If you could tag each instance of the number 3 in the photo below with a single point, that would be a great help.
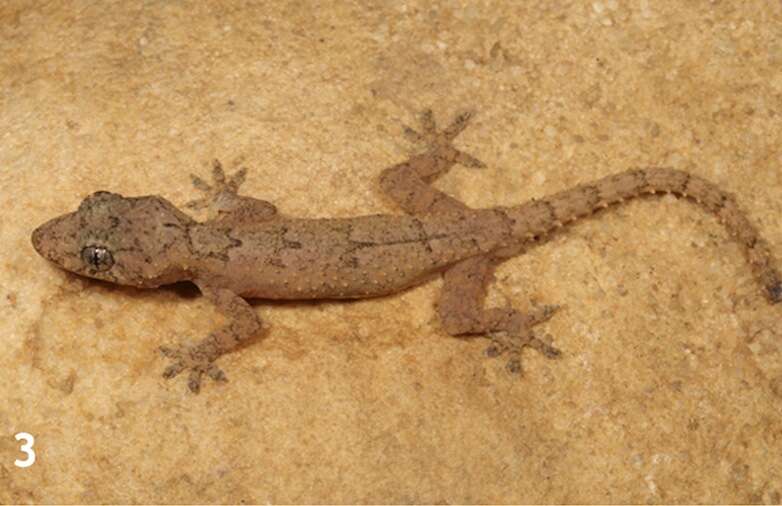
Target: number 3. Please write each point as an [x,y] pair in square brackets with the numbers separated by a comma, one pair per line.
[27,448]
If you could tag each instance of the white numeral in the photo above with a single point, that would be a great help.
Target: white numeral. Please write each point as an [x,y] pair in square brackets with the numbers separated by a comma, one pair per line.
[27,448]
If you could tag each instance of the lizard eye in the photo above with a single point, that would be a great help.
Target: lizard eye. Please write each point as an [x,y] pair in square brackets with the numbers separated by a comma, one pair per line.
[97,257]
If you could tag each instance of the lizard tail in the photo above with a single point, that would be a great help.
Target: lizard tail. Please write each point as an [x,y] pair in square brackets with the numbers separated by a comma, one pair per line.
[538,217]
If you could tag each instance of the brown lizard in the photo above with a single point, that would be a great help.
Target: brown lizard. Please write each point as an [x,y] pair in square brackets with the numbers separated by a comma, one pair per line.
[246,249]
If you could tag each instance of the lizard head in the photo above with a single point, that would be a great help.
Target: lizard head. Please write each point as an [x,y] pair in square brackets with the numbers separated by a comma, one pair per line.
[130,241]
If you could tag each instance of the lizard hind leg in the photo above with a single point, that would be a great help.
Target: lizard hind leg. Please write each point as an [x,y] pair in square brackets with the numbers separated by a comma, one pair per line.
[462,312]
[408,184]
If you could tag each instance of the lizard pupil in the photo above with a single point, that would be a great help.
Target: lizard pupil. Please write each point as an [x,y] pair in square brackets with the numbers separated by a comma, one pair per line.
[97,257]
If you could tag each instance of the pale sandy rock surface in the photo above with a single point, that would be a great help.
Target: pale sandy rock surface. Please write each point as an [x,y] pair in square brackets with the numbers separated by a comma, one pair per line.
[670,386]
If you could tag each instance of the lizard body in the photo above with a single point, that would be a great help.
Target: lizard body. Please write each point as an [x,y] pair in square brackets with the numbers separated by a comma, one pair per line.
[248,250]
[368,255]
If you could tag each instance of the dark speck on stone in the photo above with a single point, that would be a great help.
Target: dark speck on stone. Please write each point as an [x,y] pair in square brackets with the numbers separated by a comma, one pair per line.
[775,292]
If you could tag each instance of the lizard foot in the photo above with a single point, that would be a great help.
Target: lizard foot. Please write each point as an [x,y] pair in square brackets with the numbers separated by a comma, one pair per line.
[516,333]
[196,361]
[440,142]
[222,187]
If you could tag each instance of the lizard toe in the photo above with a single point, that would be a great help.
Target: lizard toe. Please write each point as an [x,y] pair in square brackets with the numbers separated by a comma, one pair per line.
[504,342]
[236,180]
[200,184]
[493,351]
[169,352]
[218,174]
[428,123]
[542,314]
[468,160]
[216,373]
[412,135]
[458,125]
[194,381]
[514,366]
[543,346]
[173,370]
[198,204]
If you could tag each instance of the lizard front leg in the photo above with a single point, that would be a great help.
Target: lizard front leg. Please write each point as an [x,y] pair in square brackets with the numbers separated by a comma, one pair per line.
[199,358]
[408,184]
[462,312]
[223,201]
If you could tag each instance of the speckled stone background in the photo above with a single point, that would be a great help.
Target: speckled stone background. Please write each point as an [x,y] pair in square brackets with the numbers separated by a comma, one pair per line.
[670,387]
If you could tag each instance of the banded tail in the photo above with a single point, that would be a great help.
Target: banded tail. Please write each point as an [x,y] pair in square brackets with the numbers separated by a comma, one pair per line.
[539,217]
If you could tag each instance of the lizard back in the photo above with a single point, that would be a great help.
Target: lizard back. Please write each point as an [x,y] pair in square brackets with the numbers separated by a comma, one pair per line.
[341,257]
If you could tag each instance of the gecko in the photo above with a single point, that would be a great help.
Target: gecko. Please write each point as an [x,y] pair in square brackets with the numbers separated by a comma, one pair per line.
[246,249]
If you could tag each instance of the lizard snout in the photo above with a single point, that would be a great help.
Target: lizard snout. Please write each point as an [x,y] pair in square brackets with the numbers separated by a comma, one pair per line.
[39,239]
[54,239]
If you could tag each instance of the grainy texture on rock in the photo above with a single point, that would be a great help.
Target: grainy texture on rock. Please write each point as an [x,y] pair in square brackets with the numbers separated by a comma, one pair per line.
[669,377]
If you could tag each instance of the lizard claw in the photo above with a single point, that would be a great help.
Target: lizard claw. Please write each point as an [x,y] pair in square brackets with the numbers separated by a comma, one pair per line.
[192,359]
